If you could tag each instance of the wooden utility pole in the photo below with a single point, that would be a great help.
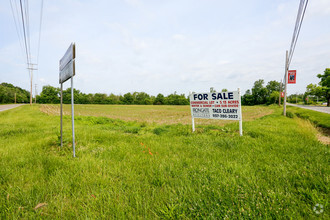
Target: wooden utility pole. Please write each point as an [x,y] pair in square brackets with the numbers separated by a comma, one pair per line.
[15,97]
[35,93]
[31,69]
[296,97]
[286,83]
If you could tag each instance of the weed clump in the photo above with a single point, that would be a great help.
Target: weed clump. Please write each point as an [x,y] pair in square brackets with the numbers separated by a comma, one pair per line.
[159,130]
[289,114]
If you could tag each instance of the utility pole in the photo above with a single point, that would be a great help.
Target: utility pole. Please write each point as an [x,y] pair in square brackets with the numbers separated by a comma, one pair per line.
[31,69]
[286,83]
[296,97]
[280,95]
[15,97]
[35,93]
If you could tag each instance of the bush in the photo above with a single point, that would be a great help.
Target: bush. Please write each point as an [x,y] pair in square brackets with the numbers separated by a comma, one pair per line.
[289,114]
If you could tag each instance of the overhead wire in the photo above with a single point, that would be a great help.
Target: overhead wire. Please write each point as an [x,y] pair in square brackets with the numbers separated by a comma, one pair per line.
[294,46]
[18,30]
[296,25]
[40,24]
[27,25]
[21,17]
[299,20]
[23,23]
[41,12]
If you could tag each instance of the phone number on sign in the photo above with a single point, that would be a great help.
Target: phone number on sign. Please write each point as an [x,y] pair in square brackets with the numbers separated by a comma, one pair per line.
[224,116]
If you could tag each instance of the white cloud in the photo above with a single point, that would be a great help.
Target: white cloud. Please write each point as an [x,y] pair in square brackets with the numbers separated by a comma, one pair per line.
[179,37]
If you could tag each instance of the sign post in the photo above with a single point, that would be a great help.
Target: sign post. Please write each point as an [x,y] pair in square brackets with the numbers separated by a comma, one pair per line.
[61,115]
[240,113]
[217,105]
[67,71]
[72,112]
[192,116]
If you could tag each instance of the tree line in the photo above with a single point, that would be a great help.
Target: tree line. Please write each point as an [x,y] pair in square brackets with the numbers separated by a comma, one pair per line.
[317,92]
[9,91]
[269,94]
[51,94]
[259,94]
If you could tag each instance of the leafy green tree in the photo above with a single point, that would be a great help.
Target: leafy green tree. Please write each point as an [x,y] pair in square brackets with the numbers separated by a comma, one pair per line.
[159,100]
[49,94]
[273,97]
[142,98]
[128,99]
[113,99]
[8,91]
[259,92]
[100,98]
[247,98]
[325,83]
[314,90]
[77,96]
[273,86]
[175,99]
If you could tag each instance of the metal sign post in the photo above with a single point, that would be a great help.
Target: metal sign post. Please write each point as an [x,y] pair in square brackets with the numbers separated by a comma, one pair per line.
[72,112]
[240,113]
[61,115]
[67,71]
[192,116]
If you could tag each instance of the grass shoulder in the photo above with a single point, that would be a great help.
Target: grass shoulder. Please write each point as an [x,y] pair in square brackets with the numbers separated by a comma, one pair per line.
[318,118]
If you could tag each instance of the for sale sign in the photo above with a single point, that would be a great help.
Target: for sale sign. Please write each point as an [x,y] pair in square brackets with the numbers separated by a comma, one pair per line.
[292,76]
[222,105]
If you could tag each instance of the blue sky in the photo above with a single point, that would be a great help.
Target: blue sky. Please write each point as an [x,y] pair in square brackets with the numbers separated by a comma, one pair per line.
[165,46]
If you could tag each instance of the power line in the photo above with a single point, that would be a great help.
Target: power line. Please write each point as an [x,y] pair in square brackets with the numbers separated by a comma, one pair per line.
[299,20]
[27,19]
[288,58]
[24,36]
[41,10]
[26,48]
[16,21]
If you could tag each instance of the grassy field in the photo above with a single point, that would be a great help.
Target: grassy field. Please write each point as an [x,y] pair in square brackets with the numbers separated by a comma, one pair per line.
[151,113]
[136,169]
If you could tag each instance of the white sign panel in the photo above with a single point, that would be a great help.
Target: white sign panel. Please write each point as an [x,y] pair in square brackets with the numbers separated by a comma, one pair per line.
[67,72]
[69,55]
[221,105]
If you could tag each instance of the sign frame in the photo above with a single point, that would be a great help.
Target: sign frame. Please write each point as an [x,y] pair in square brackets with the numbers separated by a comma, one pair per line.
[67,69]
[67,64]
[215,106]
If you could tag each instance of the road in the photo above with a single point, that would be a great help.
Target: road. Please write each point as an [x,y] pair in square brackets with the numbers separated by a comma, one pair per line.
[323,109]
[6,107]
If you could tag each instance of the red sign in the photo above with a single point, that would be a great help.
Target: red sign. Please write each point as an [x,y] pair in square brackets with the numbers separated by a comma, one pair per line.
[292,76]
[282,94]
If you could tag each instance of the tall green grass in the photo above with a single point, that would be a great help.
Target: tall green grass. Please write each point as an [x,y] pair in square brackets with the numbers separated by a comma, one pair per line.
[133,170]
[318,118]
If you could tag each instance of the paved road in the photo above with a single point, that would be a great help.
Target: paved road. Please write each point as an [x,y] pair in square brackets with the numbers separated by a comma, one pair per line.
[6,107]
[323,109]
